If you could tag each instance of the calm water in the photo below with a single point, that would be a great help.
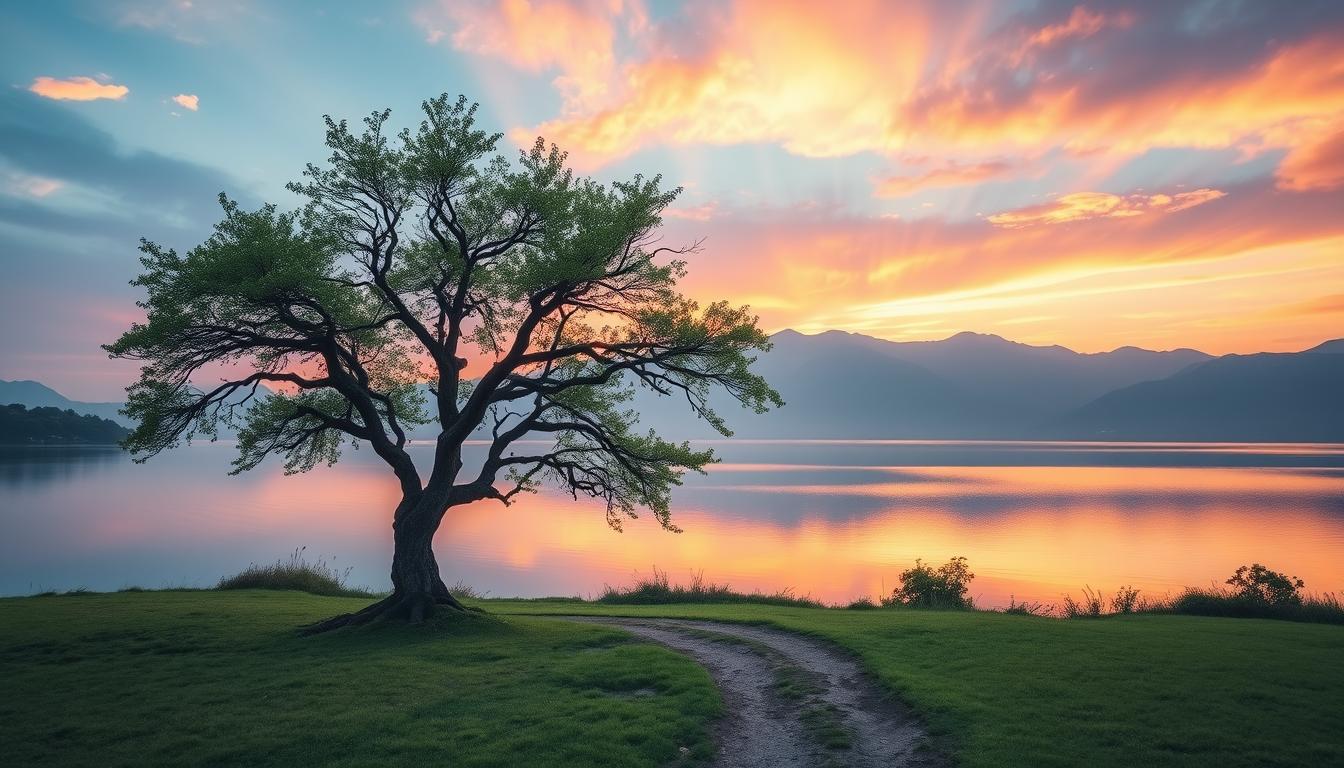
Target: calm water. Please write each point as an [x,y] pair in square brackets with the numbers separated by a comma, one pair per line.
[833,519]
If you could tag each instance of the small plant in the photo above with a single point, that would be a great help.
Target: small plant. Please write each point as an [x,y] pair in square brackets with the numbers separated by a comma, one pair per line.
[1257,584]
[1126,600]
[465,590]
[1027,609]
[1089,607]
[862,604]
[927,587]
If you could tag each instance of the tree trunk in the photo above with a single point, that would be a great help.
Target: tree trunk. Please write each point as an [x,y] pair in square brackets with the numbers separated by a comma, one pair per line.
[417,589]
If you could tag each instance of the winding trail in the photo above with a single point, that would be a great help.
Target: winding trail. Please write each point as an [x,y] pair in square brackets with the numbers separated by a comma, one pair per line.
[791,701]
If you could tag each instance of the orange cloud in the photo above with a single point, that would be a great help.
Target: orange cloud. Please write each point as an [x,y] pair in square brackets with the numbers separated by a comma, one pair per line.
[188,101]
[1314,165]
[1091,205]
[536,35]
[863,76]
[1081,23]
[1255,248]
[77,89]
[949,175]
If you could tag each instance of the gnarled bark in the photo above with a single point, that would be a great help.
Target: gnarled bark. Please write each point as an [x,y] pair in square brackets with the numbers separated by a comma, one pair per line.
[417,589]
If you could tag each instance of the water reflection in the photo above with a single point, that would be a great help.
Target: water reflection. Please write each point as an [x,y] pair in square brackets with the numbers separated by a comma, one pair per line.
[835,520]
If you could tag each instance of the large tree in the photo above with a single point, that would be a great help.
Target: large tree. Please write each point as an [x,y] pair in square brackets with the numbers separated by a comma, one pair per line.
[411,257]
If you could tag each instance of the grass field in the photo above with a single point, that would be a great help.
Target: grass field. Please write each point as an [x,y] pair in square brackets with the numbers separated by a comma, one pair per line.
[1141,690]
[220,678]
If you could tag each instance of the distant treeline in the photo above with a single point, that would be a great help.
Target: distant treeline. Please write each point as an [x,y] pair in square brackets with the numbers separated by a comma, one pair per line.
[53,426]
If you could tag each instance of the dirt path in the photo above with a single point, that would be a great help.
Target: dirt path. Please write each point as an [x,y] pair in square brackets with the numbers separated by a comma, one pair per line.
[791,700]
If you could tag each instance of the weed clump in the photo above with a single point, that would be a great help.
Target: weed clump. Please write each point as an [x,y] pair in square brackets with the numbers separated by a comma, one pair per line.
[295,573]
[659,590]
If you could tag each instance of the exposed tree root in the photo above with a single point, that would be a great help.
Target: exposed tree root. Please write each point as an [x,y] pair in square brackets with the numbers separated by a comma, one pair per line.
[412,608]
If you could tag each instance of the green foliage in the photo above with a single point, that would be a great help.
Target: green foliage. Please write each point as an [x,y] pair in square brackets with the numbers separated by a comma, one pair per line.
[20,425]
[413,253]
[924,586]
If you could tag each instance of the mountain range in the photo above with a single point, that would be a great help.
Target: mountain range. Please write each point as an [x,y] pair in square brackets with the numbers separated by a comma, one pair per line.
[976,386]
[842,385]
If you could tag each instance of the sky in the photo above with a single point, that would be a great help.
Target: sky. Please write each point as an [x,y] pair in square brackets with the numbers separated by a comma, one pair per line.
[1098,174]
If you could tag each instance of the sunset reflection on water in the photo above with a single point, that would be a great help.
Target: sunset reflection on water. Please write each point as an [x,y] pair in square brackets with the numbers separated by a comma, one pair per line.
[832,520]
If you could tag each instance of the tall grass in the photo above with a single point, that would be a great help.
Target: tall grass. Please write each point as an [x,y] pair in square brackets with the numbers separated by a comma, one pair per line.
[659,590]
[1324,608]
[296,573]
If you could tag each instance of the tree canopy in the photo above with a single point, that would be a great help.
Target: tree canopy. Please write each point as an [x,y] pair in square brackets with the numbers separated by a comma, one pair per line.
[413,255]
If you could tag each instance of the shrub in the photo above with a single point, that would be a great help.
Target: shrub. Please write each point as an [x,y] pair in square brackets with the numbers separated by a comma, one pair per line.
[464,590]
[295,573]
[1027,609]
[1257,584]
[862,604]
[927,587]
[1089,607]
[659,590]
[1126,600]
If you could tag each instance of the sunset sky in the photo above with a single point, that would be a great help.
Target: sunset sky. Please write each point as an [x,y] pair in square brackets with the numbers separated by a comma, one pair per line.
[1091,174]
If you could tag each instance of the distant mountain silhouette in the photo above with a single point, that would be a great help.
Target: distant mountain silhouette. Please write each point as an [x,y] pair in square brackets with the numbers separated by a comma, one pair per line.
[1264,397]
[1042,380]
[34,394]
[1333,347]
[973,386]
[847,385]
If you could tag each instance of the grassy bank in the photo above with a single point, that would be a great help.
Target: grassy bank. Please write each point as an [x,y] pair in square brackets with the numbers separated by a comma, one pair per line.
[1151,690]
[219,677]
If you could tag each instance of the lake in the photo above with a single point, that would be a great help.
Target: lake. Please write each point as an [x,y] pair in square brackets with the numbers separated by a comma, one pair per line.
[831,519]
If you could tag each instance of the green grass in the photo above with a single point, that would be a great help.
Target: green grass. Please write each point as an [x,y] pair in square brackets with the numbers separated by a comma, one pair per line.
[221,678]
[1151,690]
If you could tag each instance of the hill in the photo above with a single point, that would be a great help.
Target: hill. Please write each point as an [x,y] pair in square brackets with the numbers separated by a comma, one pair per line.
[53,426]
[35,394]
[968,386]
[1262,397]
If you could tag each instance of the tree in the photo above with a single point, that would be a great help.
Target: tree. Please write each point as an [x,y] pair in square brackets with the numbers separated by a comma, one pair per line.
[410,256]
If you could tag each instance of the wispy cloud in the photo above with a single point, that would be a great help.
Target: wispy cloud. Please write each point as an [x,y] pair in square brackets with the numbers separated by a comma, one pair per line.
[77,89]
[187,101]
[950,174]
[1079,206]
[31,186]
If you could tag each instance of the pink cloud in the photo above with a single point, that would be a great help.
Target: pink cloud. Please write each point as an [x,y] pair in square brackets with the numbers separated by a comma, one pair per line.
[1314,164]
[1079,206]
[951,174]
[77,89]
[188,101]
